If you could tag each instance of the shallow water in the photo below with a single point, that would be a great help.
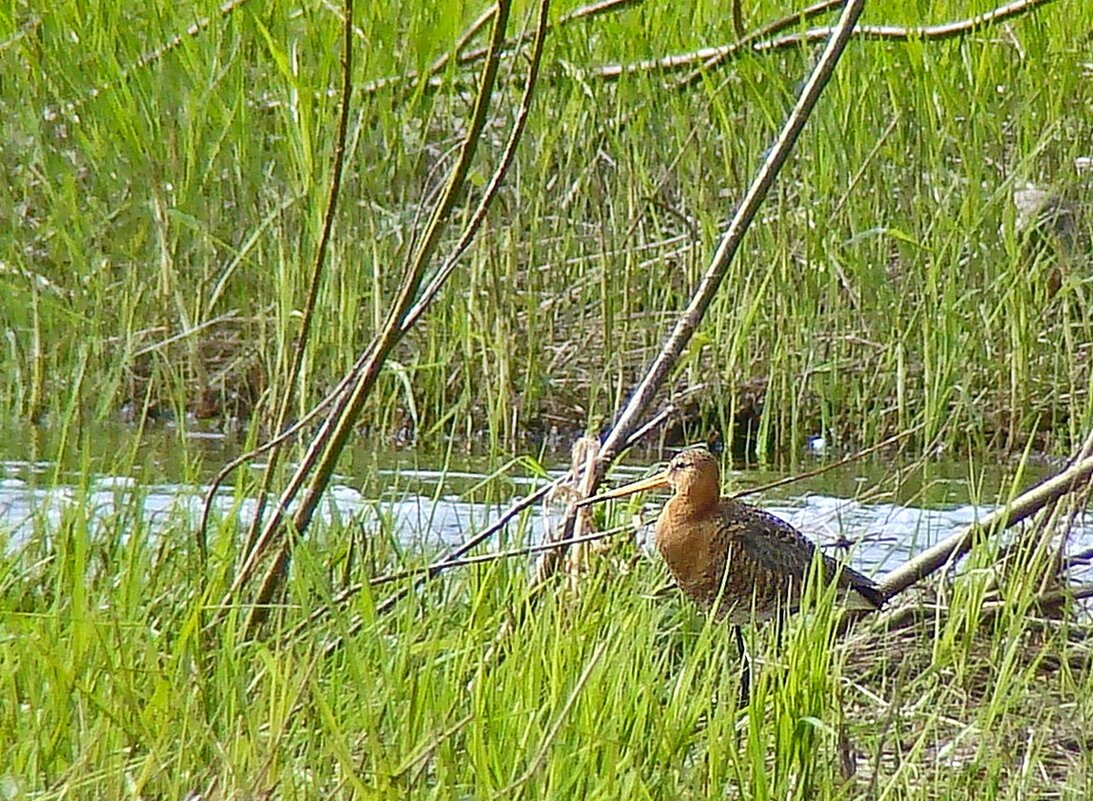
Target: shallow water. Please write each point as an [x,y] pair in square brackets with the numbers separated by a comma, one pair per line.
[883,520]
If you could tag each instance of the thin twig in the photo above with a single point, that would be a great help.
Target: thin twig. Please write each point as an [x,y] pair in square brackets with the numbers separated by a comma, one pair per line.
[744,42]
[226,317]
[314,284]
[899,33]
[425,574]
[464,39]
[738,20]
[291,431]
[467,58]
[429,294]
[722,53]
[854,457]
[322,454]
[584,12]
[466,561]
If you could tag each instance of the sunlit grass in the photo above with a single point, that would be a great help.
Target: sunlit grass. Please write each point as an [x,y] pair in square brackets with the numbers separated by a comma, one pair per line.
[109,688]
[168,214]
[159,222]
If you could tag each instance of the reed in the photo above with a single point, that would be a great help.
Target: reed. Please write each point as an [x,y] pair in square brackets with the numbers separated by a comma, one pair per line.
[166,211]
[110,690]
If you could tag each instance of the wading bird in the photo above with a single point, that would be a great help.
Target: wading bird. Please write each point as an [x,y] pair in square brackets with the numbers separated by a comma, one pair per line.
[741,561]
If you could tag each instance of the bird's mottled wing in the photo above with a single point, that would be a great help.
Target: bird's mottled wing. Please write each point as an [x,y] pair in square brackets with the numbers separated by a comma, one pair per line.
[772,542]
[773,548]
[766,559]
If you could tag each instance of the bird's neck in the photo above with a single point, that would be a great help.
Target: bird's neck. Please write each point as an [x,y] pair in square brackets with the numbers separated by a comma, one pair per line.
[695,501]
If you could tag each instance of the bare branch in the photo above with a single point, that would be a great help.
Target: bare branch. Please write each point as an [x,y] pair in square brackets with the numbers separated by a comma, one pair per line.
[730,242]
[469,57]
[709,57]
[1073,479]
[324,450]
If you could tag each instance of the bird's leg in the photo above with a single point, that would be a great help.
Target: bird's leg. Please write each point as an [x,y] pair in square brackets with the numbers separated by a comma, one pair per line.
[779,624]
[745,666]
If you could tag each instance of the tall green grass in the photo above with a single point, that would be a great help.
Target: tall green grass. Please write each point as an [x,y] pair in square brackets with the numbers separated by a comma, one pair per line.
[160,221]
[109,688]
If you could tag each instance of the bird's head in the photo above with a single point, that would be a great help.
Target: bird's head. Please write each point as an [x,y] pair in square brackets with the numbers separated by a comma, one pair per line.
[693,474]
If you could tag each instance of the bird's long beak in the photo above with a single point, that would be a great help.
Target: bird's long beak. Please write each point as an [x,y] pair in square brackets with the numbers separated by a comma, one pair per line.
[653,482]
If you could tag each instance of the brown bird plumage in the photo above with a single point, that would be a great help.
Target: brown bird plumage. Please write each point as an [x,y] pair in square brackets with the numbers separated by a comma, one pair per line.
[750,563]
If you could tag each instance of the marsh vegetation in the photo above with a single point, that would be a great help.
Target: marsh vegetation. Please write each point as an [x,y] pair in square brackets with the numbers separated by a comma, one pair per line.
[920,268]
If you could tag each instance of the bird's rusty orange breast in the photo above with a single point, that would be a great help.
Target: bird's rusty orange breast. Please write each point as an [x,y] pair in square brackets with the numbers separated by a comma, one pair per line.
[687,536]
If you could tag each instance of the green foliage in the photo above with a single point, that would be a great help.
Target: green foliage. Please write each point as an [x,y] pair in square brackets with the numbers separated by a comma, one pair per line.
[110,687]
[166,212]
[114,683]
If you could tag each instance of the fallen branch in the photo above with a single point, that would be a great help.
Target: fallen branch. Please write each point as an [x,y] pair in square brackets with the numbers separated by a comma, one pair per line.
[707,58]
[1074,478]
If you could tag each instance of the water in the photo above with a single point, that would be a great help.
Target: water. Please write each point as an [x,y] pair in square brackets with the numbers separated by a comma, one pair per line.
[881,517]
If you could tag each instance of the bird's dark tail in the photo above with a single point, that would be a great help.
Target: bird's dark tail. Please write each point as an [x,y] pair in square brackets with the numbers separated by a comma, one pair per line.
[861,592]
[865,587]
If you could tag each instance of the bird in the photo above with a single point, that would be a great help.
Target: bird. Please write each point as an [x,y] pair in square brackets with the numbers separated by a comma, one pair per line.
[737,560]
